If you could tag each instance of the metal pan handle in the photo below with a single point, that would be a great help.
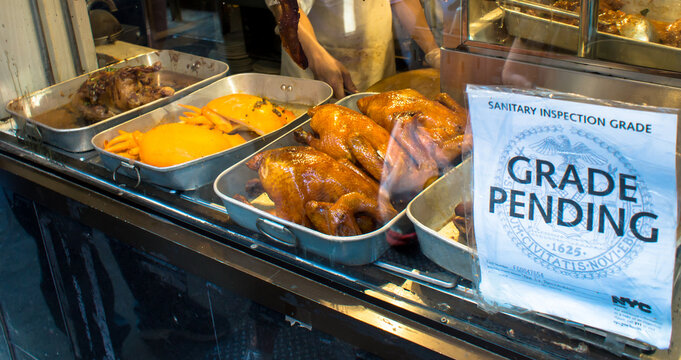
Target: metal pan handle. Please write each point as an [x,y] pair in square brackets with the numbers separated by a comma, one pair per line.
[131,167]
[32,132]
[270,228]
[286,87]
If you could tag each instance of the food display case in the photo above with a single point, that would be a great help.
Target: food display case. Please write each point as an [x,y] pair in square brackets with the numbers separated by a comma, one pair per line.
[134,261]
[533,44]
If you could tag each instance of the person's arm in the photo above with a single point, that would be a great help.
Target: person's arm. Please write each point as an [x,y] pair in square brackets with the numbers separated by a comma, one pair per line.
[411,16]
[324,66]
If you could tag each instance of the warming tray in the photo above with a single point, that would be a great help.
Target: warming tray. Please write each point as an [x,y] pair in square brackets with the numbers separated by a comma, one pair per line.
[192,174]
[432,209]
[347,250]
[179,66]
[607,47]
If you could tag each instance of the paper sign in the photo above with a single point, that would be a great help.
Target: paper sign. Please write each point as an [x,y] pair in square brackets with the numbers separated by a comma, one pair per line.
[575,209]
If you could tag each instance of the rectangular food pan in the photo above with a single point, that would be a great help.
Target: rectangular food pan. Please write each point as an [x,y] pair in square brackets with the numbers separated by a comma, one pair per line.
[184,72]
[430,210]
[300,94]
[347,250]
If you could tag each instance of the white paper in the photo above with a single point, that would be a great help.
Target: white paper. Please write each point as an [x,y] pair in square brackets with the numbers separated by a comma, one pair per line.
[600,271]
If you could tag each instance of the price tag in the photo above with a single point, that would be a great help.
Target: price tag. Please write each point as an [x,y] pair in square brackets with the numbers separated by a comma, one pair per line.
[575,209]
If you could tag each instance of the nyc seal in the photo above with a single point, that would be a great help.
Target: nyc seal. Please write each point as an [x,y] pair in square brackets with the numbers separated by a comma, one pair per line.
[572,202]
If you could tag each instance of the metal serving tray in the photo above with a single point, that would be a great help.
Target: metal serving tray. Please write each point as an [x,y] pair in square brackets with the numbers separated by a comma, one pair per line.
[347,250]
[78,139]
[431,210]
[608,46]
[192,174]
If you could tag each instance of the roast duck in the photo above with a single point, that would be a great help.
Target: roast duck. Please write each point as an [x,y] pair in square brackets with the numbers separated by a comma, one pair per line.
[113,91]
[313,189]
[348,179]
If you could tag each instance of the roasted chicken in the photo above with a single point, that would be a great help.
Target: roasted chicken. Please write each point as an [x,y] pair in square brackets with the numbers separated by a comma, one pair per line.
[345,134]
[112,91]
[423,127]
[313,189]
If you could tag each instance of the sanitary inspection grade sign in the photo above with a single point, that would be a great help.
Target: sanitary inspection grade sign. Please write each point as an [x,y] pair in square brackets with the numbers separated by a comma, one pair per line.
[575,208]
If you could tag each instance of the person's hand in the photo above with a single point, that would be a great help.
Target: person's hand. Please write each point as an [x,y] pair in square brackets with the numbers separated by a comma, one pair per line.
[326,68]
[433,58]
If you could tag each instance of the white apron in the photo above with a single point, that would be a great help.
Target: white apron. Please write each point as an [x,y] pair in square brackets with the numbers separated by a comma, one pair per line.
[358,33]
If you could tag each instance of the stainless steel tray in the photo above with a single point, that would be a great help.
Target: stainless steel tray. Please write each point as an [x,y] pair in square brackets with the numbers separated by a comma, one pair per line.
[432,209]
[195,173]
[608,46]
[78,139]
[348,250]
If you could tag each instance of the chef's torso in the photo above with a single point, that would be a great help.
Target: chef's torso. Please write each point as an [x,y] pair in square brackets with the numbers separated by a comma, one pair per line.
[358,33]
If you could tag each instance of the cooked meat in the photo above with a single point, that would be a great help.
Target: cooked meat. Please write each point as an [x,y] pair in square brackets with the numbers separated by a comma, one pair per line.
[612,4]
[313,189]
[423,127]
[672,34]
[573,5]
[346,134]
[288,30]
[112,91]
[613,21]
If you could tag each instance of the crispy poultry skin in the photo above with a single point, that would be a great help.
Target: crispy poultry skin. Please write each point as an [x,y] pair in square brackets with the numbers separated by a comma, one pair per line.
[346,134]
[313,189]
[423,127]
[112,91]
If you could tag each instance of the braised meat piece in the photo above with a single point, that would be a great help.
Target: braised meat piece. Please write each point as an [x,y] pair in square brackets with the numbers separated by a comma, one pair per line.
[112,91]
[313,189]
[423,127]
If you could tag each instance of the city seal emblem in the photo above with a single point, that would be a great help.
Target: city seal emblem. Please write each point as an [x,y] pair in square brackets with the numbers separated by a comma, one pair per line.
[572,202]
